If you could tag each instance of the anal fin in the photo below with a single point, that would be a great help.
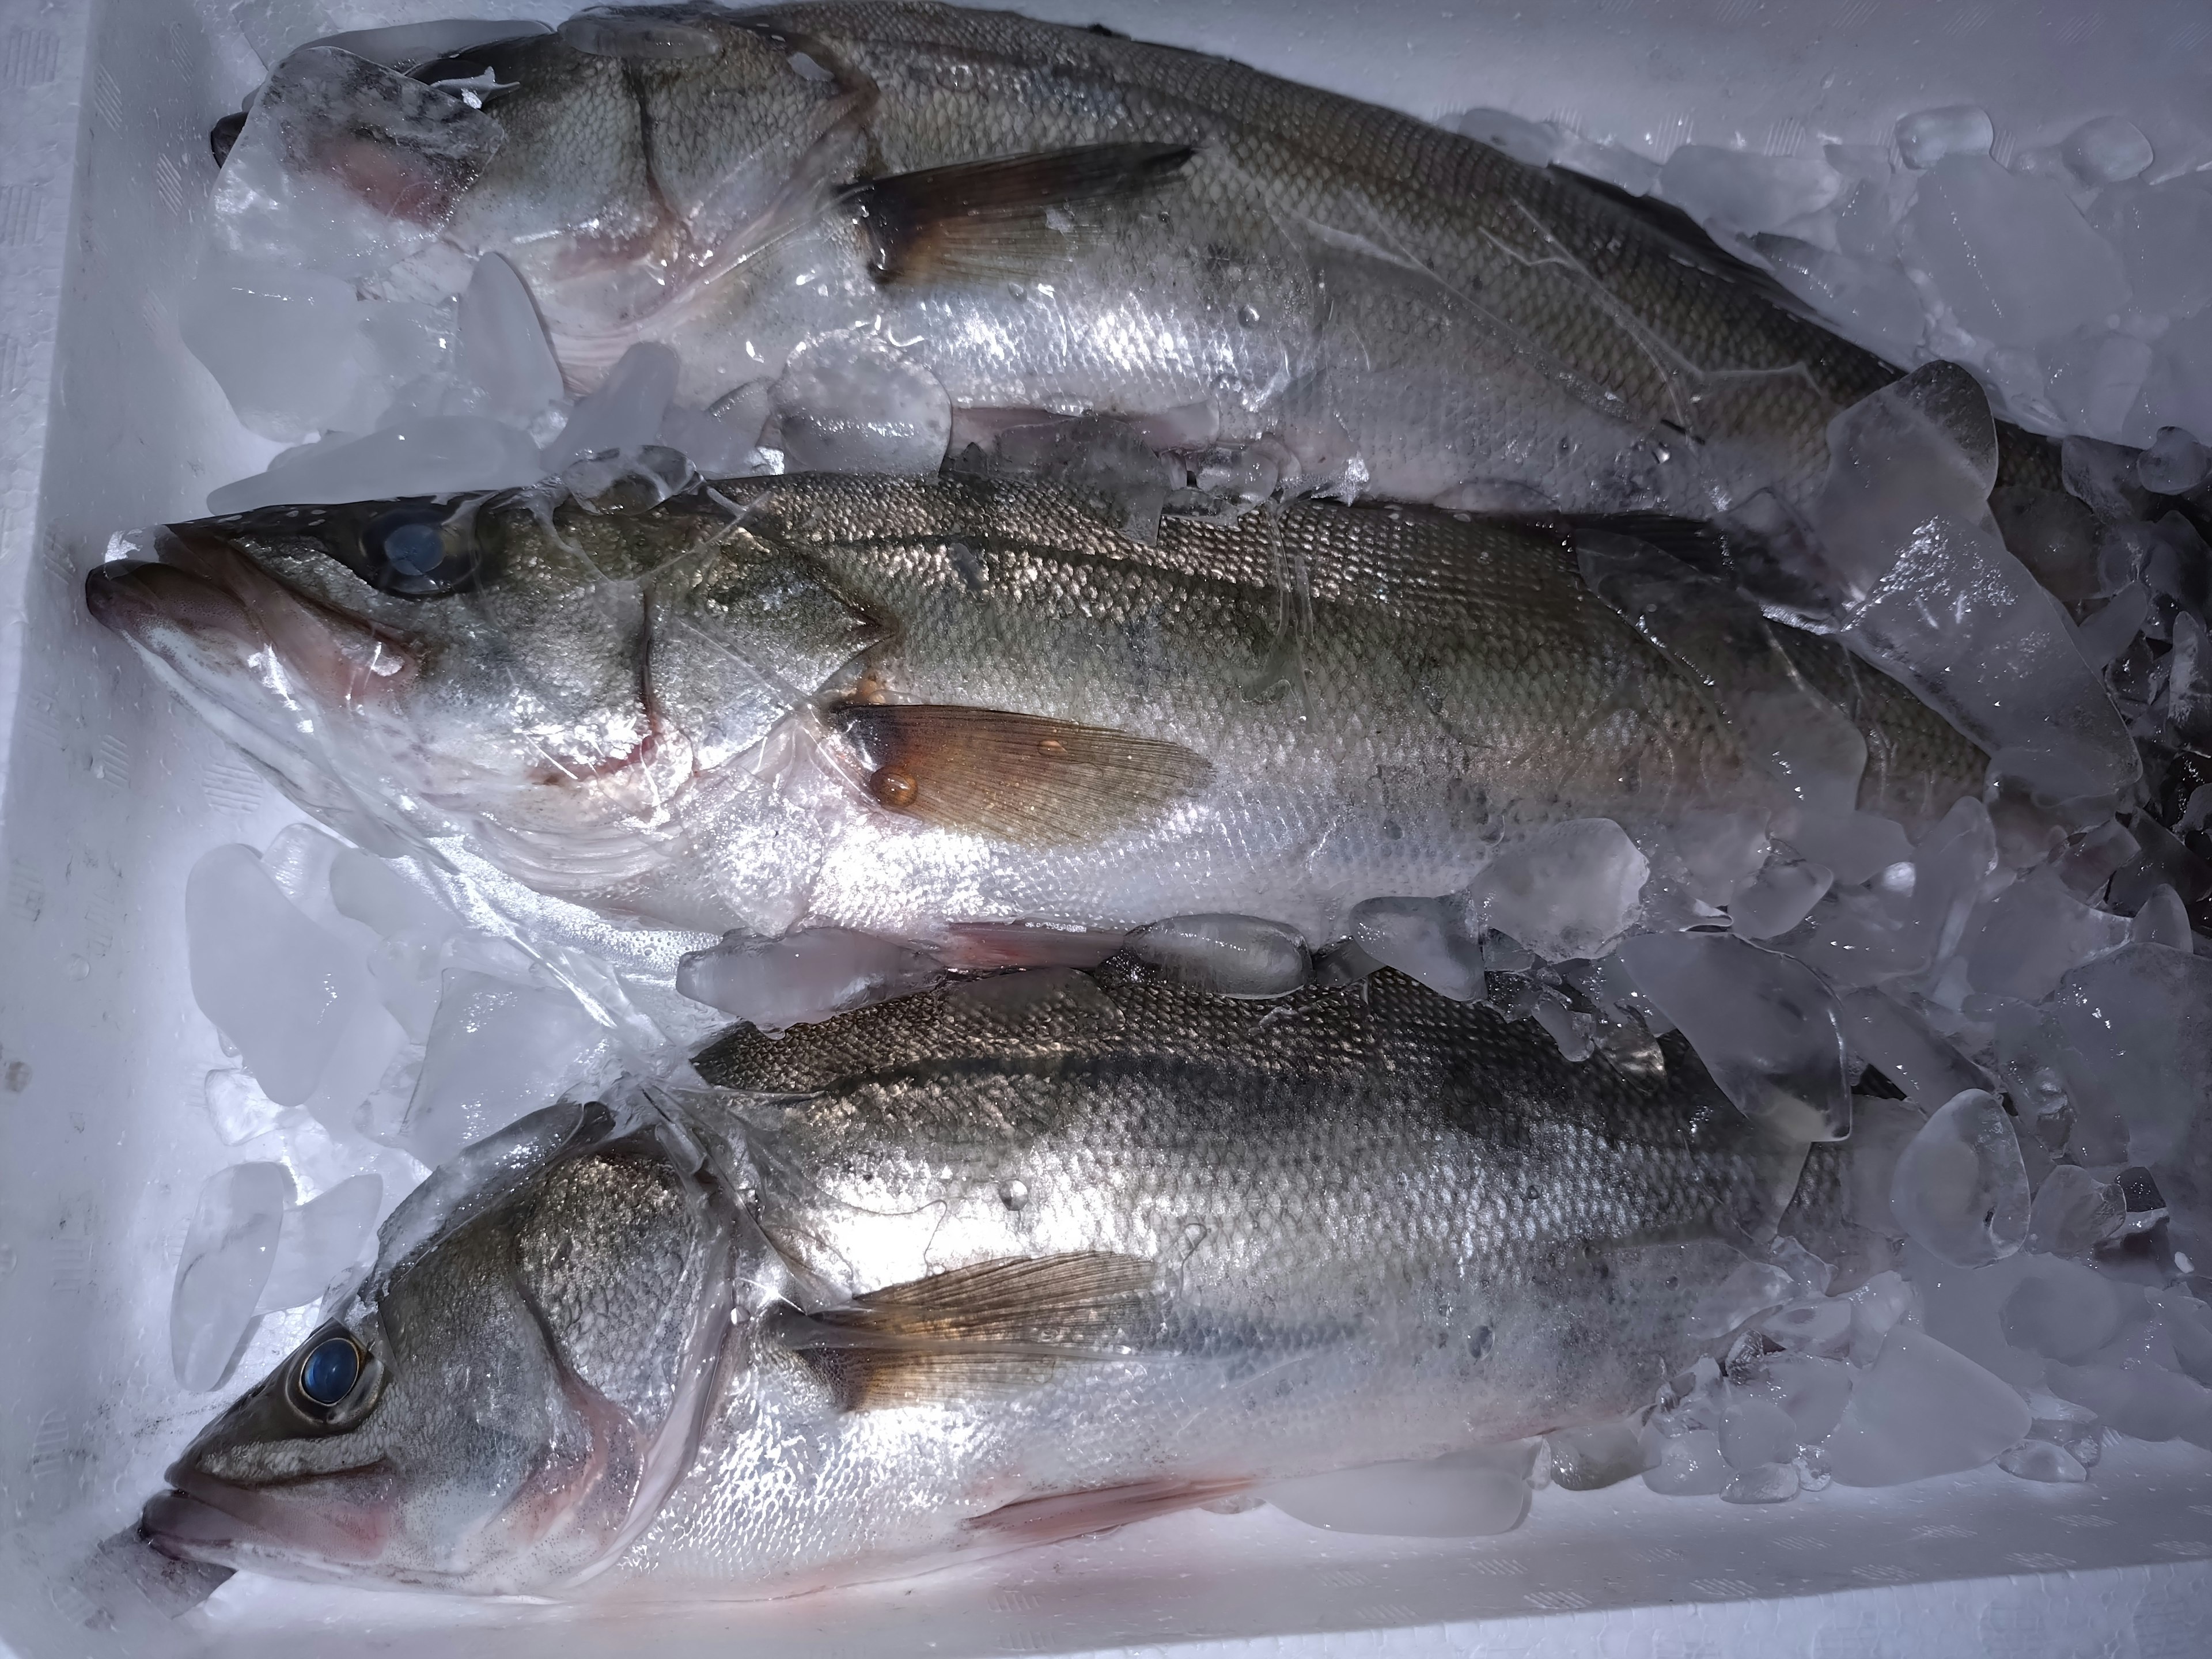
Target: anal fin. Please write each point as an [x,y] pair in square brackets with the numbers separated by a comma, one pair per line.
[995,218]
[1021,778]
[991,1328]
[1073,1513]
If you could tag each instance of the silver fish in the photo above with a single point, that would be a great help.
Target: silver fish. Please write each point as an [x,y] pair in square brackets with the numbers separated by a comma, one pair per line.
[904,706]
[1032,220]
[987,1266]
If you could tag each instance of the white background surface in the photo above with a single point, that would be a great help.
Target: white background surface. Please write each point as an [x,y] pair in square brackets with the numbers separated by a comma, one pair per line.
[110,794]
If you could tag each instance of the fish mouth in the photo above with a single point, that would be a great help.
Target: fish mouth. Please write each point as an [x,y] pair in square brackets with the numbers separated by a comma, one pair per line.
[332,1522]
[263,665]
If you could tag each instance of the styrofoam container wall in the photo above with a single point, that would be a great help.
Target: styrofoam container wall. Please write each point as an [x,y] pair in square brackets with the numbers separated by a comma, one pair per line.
[111,792]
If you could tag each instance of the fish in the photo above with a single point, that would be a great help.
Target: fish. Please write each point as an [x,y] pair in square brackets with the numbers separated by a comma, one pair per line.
[997,222]
[908,706]
[987,1267]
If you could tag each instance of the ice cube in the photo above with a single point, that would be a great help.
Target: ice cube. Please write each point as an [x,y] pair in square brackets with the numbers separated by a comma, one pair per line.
[1871,301]
[718,449]
[2073,1213]
[237,1107]
[1927,136]
[2061,1311]
[1734,190]
[1924,445]
[1923,1409]
[229,1250]
[1569,891]
[625,412]
[2141,1020]
[497,1051]
[1690,1466]
[2106,150]
[1754,1431]
[803,976]
[346,167]
[1749,1291]
[2094,377]
[1855,846]
[320,1240]
[2173,465]
[1960,1189]
[501,346]
[1767,1027]
[1598,1455]
[1901,1045]
[2163,919]
[2039,1460]
[289,347]
[2026,939]
[1810,1391]
[1817,1325]
[2164,235]
[2136,1398]
[1461,1495]
[280,989]
[1425,939]
[1876,1307]
[1769,1483]
[857,404]
[1112,462]
[2011,256]
[1783,896]
[2178,390]
[1230,956]
[438,455]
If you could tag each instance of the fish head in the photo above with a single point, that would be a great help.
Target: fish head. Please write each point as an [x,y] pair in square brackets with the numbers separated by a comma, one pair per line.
[501,1413]
[561,667]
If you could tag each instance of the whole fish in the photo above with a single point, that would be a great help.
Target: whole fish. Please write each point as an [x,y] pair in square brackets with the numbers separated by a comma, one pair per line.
[986,1267]
[902,705]
[807,201]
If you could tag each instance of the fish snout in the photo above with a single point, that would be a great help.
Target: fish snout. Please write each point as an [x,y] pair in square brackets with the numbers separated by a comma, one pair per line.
[336,1521]
[135,597]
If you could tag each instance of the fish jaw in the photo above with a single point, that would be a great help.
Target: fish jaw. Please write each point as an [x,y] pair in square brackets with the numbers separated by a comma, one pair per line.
[333,1527]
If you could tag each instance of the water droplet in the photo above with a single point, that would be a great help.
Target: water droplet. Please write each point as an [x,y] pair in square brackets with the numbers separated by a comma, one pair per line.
[76,967]
[1248,315]
[1013,1192]
[1480,1344]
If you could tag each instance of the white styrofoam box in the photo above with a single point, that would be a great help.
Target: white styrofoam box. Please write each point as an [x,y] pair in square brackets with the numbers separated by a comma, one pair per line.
[111,792]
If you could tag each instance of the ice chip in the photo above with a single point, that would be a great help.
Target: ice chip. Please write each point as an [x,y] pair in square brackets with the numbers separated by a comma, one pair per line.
[345,166]
[1754,1431]
[1425,939]
[230,1248]
[2105,477]
[1461,1495]
[1960,1189]
[1230,956]
[2136,1398]
[1924,444]
[1853,847]
[2141,1020]
[2032,933]
[1767,1027]
[1923,1409]
[1690,1466]
[279,988]
[1768,1483]
[2094,378]
[2173,465]
[1817,1325]
[1569,891]
[501,346]
[320,1240]
[2163,919]
[437,455]
[2105,150]
[857,404]
[497,1051]
[1598,1454]
[625,412]
[1900,1044]
[1811,1391]
[1527,142]
[1783,896]
[1751,1290]
[2178,390]
[2073,1213]
[2039,1460]
[803,976]
[2061,1311]
[717,448]
[2164,235]
[237,1107]
[1872,302]
[1927,136]
[289,347]
[2012,255]
[1738,191]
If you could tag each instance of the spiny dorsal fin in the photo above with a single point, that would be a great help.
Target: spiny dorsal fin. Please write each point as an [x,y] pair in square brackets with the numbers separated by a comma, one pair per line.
[994,218]
[1020,778]
[988,1329]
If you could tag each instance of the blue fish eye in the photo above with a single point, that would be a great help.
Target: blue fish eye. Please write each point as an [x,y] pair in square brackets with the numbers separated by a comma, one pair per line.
[330,1371]
[418,549]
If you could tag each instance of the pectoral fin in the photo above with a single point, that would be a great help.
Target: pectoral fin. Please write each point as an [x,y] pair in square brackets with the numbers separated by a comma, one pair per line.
[996,218]
[989,1329]
[1020,778]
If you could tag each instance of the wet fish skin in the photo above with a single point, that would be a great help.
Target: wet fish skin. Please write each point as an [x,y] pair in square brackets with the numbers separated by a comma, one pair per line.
[1350,1227]
[899,705]
[1401,307]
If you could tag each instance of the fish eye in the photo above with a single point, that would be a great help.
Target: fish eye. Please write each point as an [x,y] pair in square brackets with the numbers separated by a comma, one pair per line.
[419,551]
[328,1373]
